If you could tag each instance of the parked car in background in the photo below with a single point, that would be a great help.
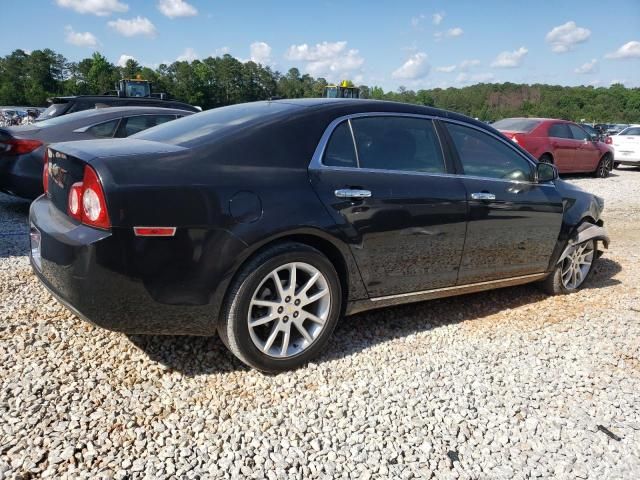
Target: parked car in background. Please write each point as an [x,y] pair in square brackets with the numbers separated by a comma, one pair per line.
[595,134]
[627,146]
[616,128]
[565,144]
[22,148]
[267,221]
[65,105]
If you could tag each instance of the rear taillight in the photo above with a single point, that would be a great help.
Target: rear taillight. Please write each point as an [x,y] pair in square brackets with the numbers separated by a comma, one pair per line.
[19,146]
[86,201]
[45,171]
[515,139]
[608,140]
[75,201]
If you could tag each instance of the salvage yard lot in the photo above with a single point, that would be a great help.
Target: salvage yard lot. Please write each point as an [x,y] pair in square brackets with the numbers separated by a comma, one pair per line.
[503,384]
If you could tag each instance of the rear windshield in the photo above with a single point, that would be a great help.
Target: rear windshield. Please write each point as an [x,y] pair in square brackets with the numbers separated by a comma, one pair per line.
[196,128]
[54,110]
[516,124]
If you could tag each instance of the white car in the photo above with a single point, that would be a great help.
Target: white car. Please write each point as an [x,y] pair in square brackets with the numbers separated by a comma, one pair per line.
[627,146]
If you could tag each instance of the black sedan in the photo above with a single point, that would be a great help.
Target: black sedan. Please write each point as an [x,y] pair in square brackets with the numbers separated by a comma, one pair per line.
[269,221]
[22,148]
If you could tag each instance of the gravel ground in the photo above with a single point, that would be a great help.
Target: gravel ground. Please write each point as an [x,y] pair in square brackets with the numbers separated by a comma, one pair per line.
[505,384]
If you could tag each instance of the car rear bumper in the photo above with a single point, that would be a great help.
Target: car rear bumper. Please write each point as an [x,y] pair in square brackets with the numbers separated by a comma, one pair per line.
[88,271]
[20,177]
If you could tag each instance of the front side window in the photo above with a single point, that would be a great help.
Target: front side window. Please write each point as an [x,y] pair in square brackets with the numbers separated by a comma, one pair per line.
[104,130]
[132,125]
[560,130]
[578,133]
[398,143]
[482,155]
[340,151]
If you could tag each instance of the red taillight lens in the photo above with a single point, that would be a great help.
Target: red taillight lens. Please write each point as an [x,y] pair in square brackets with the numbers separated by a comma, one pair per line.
[45,171]
[75,201]
[608,140]
[19,146]
[86,201]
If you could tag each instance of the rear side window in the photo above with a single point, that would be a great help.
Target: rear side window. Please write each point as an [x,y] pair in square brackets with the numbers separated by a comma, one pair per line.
[105,129]
[398,143]
[631,131]
[516,124]
[482,155]
[340,151]
[560,130]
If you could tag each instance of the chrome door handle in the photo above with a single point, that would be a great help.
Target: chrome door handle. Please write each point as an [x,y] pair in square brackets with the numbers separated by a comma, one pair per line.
[352,193]
[483,196]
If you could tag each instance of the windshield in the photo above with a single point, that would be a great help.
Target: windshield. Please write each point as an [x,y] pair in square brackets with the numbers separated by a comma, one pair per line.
[516,124]
[200,126]
[332,92]
[138,89]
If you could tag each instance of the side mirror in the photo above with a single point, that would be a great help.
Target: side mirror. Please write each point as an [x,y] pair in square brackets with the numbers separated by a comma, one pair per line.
[594,137]
[545,172]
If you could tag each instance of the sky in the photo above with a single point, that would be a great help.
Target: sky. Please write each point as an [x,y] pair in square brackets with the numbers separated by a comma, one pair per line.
[410,43]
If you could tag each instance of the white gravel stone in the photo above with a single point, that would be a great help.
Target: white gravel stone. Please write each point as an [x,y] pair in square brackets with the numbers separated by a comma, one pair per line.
[502,384]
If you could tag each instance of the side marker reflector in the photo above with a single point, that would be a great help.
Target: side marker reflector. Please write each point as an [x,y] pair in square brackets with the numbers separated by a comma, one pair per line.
[154,231]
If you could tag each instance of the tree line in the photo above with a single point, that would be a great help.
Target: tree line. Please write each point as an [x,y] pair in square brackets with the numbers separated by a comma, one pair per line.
[32,78]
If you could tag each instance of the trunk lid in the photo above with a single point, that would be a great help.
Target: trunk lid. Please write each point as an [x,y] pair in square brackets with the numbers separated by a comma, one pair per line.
[67,161]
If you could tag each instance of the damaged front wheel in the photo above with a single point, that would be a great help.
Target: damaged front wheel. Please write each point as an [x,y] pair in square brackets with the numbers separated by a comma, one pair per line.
[572,271]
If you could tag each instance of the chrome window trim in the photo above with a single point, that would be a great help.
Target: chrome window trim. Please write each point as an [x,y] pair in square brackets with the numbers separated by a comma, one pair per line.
[318,154]
[355,145]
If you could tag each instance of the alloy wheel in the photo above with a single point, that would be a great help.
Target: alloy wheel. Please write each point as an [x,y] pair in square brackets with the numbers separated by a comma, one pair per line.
[577,264]
[289,309]
[604,168]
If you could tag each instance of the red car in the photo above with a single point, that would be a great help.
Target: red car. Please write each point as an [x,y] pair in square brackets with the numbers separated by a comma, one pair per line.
[565,144]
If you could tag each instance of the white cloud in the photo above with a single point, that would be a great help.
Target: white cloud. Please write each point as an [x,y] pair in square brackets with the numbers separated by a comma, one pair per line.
[219,52]
[260,53]
[189,55]
[414,68]
[467,64]
[565,37]
[80,39]
[466,78]
[101,8]
[508,59]
[628,50]
[122,61]
[437,18]
[134,26]
[445,69]
[589,67]
[417,20]
[327,59]
[176,8]
[451,33]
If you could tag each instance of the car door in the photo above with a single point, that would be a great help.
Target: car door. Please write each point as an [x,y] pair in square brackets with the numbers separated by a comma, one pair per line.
[513,222]
[563,145]
[587,153]
[384,180]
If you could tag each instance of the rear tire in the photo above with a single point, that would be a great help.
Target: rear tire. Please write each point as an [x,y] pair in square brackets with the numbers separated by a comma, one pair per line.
[569,275]
[604,167]
[275,327]
[546,158]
